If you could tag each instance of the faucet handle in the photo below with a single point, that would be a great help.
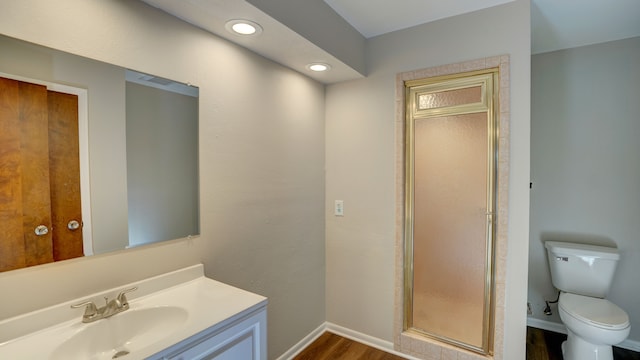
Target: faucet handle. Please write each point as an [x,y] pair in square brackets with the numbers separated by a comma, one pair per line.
[90,312]
[122,298]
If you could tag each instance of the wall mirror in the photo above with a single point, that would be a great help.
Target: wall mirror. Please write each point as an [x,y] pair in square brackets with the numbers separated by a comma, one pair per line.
[134,176]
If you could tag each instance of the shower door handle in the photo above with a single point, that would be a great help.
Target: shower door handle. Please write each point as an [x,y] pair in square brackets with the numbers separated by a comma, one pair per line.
[489,225]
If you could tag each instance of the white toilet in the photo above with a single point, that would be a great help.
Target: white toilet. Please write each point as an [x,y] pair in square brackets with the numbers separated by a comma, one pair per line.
[583,274]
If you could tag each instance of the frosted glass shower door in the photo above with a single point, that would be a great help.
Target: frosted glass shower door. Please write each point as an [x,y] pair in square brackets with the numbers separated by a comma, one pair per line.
[450,226]
[451,151]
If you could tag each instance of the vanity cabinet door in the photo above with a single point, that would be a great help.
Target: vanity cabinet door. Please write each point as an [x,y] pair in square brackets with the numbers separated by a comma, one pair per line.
[243,339]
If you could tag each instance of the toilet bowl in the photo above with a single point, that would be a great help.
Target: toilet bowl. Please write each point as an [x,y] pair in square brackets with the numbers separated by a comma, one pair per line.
[593,326]
[584,273]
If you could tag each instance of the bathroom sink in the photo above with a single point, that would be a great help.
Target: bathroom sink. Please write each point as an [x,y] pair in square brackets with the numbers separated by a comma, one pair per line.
[165,310]
[121,334]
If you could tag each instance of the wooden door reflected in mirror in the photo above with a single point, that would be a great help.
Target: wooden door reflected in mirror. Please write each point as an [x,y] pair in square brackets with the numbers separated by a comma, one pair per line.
[39,176]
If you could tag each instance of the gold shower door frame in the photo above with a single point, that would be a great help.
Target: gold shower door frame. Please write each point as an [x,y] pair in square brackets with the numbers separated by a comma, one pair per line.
[415,90]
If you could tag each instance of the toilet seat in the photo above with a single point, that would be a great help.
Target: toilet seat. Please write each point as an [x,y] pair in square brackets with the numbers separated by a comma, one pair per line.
[597,312]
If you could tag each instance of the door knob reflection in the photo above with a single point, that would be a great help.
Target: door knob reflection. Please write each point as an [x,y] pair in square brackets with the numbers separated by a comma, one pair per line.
[73,225]
[41,230]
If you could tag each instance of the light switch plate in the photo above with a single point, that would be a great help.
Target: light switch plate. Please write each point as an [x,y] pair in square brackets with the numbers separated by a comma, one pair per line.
[338,209]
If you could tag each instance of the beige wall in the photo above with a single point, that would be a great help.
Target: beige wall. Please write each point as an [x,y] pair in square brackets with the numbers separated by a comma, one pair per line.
[360,156]
[584,165]
[262,151]
[261,167]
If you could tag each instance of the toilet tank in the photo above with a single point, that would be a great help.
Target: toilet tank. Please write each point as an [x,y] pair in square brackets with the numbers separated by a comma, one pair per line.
[582,269]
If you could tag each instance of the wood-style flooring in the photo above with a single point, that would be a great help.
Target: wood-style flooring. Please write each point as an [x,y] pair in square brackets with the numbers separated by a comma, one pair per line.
[334,347]
[546,345]
[541,345]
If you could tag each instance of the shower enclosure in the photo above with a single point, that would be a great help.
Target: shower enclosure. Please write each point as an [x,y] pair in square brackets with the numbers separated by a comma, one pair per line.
[451,133]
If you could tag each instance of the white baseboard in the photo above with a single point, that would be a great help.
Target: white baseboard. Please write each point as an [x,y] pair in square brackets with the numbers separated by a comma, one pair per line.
[369,340]
[546,325]
[302,344]
[560,328]
[360,337]
[374,342]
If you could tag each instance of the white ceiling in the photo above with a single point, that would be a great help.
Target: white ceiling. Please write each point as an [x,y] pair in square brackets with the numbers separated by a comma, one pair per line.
[555,24]
[376,17]
[277,42]
[563,24]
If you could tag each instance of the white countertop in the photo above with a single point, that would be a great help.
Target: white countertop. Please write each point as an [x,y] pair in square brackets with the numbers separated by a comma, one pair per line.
[208,302]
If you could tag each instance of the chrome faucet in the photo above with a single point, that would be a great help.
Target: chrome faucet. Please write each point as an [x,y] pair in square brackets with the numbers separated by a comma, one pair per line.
[111,307]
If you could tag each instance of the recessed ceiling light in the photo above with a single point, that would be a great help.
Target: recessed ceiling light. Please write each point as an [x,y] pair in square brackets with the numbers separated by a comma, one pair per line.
[243,27]
[318,67]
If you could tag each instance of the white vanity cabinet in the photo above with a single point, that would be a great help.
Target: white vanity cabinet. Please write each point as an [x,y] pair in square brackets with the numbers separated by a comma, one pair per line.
[242,337]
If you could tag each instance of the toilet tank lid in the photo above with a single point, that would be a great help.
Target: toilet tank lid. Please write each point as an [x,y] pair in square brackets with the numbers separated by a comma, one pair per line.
[557,247]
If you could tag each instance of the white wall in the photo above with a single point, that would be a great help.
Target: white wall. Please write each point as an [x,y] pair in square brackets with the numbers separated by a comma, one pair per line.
[585,128]
[261,167]
[262,164]
[360,157]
